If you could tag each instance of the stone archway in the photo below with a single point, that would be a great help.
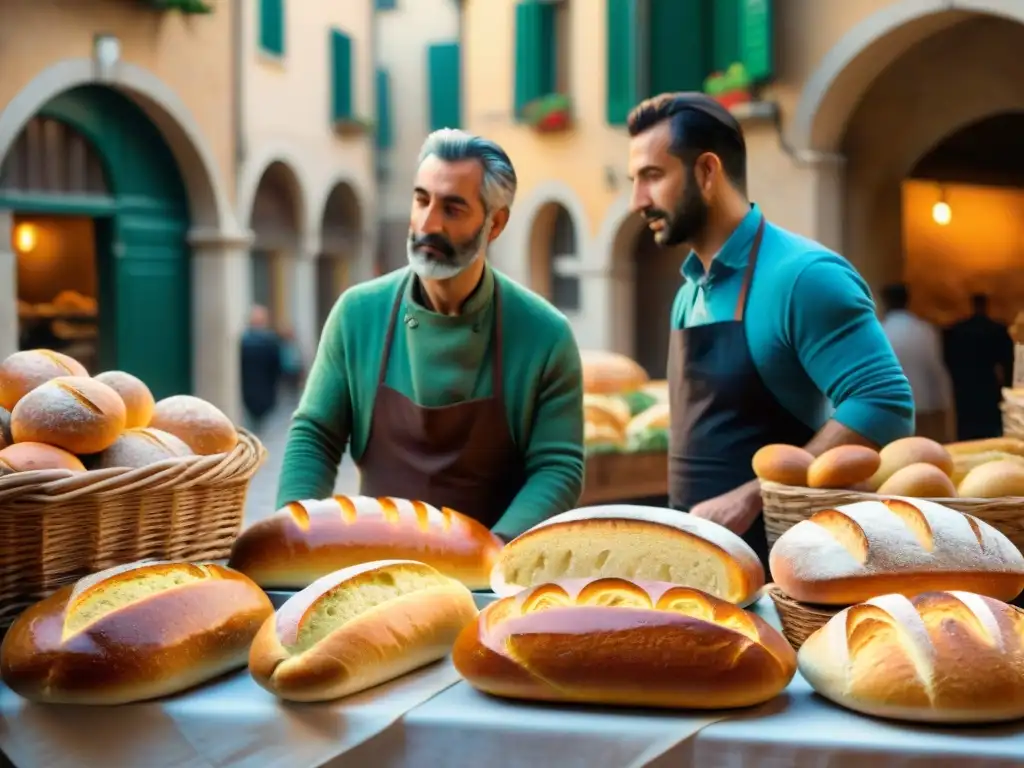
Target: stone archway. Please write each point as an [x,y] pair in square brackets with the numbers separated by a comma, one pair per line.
[554,254]
[340,245]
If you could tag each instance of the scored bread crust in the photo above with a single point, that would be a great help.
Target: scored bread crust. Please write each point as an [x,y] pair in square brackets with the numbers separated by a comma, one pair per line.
[620,642]
[632,542]
[309,539]
[846,555]
[158,644]
[414,625]
[21,372]
[939,657]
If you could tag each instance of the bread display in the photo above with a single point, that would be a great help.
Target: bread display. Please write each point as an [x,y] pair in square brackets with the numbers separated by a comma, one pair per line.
[845,466]
[357,628]
[28,457]
[901,454]
[923,481]
[309,539]
[606,373]
[78,414]
[135,632]
[631,542]
[22,372]
[849,554]
[138,400]
[938,657]
[199,424]
[786,464]
[994,479]
[618,642]
[650,430]
[141,447]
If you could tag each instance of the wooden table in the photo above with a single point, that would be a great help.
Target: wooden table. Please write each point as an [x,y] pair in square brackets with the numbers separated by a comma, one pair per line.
[625,477]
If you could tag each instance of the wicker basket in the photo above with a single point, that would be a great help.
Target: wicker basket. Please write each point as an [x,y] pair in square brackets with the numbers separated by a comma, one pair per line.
[1013,413]
[56,527]
[799,620]
[787,505]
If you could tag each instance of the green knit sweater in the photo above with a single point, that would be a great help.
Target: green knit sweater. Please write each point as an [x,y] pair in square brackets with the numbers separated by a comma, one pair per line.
[437,360]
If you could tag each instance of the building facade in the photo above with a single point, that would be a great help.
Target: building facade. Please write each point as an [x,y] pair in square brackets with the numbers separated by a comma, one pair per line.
[867,123]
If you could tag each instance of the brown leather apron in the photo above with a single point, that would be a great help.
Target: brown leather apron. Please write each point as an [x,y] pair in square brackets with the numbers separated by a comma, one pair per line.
[460,456]
[722,412]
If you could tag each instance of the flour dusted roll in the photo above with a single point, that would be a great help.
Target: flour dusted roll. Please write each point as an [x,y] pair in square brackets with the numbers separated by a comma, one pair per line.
[632,542]
[141,447]
[939,657]
[309,539]
[22,372]
[138,400]
[359,627]
[202,426]
[133,632]
[619,642]
[28,457]
[850,554]
[78,414]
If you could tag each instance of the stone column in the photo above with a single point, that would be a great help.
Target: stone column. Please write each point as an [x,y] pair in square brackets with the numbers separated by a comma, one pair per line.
[8,287]
[304,299]
[829,183]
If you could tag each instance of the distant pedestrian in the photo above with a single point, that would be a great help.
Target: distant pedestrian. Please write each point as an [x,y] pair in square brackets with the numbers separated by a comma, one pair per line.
[293,368]
[261,368]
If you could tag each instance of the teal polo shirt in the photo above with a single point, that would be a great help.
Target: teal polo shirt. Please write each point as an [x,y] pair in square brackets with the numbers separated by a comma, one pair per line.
[811,328]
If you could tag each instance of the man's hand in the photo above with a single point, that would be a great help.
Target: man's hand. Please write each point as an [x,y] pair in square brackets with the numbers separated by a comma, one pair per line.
[736,510]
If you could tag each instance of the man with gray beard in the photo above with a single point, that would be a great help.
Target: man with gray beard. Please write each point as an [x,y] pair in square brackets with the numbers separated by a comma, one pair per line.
[447,381]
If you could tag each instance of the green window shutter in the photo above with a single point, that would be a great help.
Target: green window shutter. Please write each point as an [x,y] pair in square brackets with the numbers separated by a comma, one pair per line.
[535,52]
[385,5]
[444,73]
[725,33]
[341,76]
[384,124]
[272,26]
[756,41]
[623,77]
[679,56]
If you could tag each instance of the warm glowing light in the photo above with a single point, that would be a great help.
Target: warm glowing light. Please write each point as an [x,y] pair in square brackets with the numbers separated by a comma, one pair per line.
[942,213]
[25,238]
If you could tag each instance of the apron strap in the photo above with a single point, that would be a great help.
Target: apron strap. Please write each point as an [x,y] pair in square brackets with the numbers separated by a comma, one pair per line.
[748,278]
[390,338]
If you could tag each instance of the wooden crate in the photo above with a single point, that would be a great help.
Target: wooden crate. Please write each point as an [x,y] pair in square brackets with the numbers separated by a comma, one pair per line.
[621,476]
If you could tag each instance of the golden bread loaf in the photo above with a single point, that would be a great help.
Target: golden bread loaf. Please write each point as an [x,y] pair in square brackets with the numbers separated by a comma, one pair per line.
[28,457]
[786,464]
[22,372]
[938,657]
[202,426]
[306,540]
[609,373]
[993,480]
[138,400]
[631,542]
[925,481]
[846,555]
[1012,445]
[357,628]
[5,429]
[964,463]
[844,466]
[78,414]
[141,447]
[900,454]
[134,632]
[618,642]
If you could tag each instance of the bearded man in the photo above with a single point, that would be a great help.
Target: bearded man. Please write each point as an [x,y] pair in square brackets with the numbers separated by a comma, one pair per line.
[447,381]
[774,337]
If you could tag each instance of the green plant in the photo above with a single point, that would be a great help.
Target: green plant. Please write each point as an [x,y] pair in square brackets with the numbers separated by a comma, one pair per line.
[549,113]
[182,6]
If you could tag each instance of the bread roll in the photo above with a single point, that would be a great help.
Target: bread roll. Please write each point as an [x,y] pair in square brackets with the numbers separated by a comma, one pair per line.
[602,438]
[5,429]
[309,539]
[200,425]
[843,467]
[141,447]
[618,642]
[632,542]
[609,373]
[910,450]
[27,457]
[134,632]
[357,628]
[921,481]
[138,400]
[993,480]
[649,431]
[847,555]
[606,411]
[1002,444]
[80,415]
[964,463]
[786,464]
[22,372]
[939,657]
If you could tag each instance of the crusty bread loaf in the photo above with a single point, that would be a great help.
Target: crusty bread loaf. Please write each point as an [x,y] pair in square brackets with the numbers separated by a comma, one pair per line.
[617,642]
[22,372]
[5,429]
[133,632]
[925,481]
[786,464]
[993,480]
[138,400]
[78,414]
[631,542]
[1012,445]
[939,657]
[844,466]
[609,373]
[27,457]
[359,627]
[846,555]
[309,539]
[202,426]
[900,454]
[141,447]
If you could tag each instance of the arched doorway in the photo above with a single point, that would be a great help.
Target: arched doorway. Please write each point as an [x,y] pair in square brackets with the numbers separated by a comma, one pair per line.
[275,223]
[100,220]
[340,243]
[555,257]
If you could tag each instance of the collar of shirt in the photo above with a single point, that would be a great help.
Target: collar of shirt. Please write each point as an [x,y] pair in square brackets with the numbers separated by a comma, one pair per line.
[733,255]
[417,306]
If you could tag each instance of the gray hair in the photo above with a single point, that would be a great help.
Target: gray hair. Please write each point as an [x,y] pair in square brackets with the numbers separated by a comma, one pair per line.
[452,145]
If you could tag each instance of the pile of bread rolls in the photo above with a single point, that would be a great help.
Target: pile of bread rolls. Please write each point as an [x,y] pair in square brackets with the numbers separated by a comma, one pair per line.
[53,415]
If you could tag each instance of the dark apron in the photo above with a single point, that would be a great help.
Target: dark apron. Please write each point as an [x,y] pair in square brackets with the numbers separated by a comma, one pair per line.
[722,412]
[460,456]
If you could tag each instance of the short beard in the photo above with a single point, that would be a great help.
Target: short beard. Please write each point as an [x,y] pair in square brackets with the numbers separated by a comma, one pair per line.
[688,221]
[463,256]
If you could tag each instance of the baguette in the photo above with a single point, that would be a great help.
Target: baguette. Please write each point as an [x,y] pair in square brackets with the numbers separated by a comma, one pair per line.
[308,539]
[357,628]
[631,542]
[617,642]
[939,657]
[987,445]
[850,554]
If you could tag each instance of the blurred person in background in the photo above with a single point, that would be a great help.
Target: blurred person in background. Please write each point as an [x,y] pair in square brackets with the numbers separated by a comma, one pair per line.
[293,368]
[261,368]
[918,346]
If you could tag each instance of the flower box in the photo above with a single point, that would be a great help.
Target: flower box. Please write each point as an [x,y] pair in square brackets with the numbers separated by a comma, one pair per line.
[549,114]
[353,126]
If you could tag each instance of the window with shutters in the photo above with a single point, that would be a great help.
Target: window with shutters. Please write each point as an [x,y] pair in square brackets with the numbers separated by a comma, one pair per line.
[542,54]
[385,127]
[444,85]
[272,26]
[341,77]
